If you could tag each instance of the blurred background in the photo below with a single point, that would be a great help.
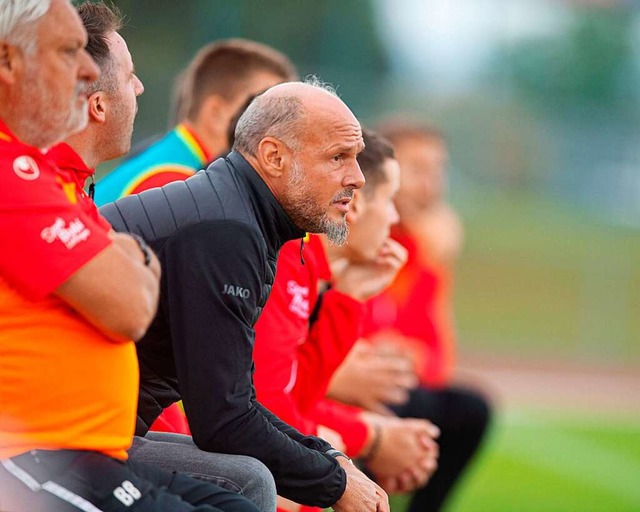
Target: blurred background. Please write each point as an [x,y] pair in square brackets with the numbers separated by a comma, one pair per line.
[540,102]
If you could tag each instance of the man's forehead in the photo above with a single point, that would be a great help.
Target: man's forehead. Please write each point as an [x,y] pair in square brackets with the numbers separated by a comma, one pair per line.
[343,134]
[62,25]
[119,49]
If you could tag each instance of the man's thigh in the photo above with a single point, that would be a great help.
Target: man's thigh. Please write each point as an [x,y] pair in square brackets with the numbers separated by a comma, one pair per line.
[238,473]
[193,491]
[72,481]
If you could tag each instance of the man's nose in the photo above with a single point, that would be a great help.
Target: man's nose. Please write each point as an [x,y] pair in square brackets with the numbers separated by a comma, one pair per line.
[394,216]
[354,177]
[139,86]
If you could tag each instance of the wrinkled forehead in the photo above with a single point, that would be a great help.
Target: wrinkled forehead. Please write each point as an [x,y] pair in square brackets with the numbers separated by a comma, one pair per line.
[335,125]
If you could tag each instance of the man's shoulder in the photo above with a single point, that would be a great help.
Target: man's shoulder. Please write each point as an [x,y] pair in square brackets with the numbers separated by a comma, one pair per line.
[24,168]
[204,199]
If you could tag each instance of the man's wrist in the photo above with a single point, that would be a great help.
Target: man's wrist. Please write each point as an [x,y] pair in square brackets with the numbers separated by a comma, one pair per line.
[374,444]
[337,453]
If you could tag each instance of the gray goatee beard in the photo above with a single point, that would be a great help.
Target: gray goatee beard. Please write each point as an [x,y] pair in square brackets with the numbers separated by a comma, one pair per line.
[308,215]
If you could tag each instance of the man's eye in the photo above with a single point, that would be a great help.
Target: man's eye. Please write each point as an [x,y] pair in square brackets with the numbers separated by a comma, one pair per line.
[337,158]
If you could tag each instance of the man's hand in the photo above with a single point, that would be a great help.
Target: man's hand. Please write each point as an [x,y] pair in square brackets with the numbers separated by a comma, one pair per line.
[406,454]
[363,280]
[361,494]
[370,379]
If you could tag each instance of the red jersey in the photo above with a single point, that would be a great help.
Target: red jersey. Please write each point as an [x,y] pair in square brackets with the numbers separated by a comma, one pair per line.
[63,384]
[294,362]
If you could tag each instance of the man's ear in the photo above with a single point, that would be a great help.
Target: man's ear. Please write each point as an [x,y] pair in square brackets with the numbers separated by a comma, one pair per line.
[98,107]
[357,206]
[10,62]
[273,157]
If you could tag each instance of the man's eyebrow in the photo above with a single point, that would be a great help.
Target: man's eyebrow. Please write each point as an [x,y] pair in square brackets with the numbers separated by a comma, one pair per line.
[346,148]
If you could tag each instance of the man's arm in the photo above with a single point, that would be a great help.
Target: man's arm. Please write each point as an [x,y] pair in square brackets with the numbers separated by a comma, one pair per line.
[340,318]
[214,275]
[282,327]
[116,291]
[56,247]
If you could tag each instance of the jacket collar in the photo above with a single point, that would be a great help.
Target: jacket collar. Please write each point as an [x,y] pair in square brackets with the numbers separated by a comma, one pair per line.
[274,222]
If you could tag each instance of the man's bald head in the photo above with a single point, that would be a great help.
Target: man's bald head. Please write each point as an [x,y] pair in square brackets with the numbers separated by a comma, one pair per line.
[283,112]
[304,142]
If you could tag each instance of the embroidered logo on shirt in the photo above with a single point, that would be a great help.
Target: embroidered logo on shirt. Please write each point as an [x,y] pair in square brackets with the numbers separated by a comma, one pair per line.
[69,234]
[299,299]
[236,291]
[26,168]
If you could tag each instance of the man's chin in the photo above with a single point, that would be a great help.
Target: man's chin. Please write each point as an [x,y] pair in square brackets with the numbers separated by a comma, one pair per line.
[336,232]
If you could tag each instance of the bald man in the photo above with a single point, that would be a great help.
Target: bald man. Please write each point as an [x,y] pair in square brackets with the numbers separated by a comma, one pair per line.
[293,169]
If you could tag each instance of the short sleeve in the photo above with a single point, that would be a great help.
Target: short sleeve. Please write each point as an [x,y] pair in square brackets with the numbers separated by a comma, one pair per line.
[46,235]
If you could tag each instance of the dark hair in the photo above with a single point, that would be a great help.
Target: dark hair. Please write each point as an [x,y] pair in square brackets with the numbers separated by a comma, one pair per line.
[220,67]
[397,129]
[376,151]
[231,130]
[100,20]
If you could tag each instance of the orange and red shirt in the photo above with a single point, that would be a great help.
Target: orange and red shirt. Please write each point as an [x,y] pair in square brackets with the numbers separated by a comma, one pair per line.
[63,384]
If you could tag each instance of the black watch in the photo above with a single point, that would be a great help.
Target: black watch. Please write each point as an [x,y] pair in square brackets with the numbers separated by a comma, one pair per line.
[337,453]
[144,248]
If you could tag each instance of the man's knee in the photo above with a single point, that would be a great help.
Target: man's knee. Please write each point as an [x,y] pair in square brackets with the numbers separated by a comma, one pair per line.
[255,480]
[259,476]
[471,407]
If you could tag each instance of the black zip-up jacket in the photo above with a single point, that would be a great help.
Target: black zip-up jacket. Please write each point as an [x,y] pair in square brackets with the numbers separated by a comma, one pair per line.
[217,236]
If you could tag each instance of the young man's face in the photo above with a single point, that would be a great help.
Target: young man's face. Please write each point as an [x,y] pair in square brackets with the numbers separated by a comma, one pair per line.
[374,213]
[53,82]
[122,89]
[423,164]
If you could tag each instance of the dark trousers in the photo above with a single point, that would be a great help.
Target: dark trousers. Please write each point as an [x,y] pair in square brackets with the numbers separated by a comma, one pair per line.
[462,416]
[72,481]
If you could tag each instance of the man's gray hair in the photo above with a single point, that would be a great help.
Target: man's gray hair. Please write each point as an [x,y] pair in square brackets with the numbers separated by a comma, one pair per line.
[279,117]
[16,20]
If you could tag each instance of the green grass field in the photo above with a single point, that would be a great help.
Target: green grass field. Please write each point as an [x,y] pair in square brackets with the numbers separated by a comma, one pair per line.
[535,462]
[538,279]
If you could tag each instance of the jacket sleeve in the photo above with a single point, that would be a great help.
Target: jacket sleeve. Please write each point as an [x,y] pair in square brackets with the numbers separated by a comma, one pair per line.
[213,277]
[331,337]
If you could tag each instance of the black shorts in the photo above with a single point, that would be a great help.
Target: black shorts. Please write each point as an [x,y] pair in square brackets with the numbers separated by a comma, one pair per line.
[72,481]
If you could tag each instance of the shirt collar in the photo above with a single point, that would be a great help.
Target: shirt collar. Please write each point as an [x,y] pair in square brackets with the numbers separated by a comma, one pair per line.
[67,159]
[274,221]
[191,139]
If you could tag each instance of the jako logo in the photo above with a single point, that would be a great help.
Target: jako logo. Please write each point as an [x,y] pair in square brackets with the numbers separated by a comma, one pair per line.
[236,291]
